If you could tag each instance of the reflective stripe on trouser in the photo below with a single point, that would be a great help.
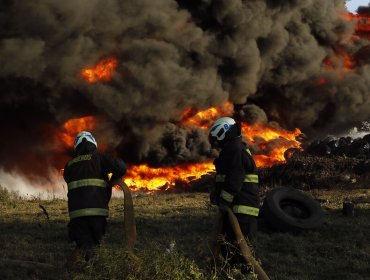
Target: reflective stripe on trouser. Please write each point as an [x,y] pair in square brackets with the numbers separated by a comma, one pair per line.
[249,178]
[88,212]
[86,182]
[226,196]
[248,210]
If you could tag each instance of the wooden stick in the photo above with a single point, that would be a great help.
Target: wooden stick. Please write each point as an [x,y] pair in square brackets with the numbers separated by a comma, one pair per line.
[244,247]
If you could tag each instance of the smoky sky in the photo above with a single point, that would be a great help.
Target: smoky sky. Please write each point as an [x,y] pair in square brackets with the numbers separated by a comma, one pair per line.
[172,55]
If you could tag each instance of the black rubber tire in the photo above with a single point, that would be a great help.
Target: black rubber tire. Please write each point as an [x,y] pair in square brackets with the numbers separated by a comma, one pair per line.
[288,209]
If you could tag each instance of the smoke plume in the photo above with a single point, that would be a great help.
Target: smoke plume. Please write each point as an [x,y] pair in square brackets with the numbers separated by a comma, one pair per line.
[172,55]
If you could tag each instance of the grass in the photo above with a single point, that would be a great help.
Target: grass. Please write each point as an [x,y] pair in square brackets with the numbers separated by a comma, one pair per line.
[31,237]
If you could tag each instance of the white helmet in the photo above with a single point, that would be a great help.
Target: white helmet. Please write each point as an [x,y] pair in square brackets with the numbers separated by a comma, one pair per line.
[220,127]
[84,134]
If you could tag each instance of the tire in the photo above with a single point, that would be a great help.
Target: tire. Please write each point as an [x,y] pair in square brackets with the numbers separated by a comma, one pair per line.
[288,209]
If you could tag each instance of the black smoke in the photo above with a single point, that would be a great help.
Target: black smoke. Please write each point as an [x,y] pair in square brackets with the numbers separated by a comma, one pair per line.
[172,55]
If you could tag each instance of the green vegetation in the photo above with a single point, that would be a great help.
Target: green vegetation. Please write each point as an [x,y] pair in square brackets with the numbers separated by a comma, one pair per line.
[34,245]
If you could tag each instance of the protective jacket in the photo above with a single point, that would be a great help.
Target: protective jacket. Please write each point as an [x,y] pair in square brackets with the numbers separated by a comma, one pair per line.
[87,179]
[236,177]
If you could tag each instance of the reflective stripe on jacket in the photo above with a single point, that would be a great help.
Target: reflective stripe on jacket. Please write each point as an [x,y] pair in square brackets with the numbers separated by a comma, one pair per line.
[249,178]
[86,182]
[87,179]
[88,212]
[237,179]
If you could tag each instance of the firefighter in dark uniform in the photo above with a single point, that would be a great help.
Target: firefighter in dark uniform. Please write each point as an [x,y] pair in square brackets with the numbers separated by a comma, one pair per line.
[89,194]
[236,183]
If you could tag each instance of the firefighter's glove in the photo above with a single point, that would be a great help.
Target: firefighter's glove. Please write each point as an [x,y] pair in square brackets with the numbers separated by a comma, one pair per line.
[223,202]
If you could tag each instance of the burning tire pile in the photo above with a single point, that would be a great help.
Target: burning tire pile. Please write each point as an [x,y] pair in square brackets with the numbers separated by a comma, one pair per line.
[344,146]
[329,163]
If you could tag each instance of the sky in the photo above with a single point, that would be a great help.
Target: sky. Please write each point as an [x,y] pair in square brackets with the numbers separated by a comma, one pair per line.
[352,5]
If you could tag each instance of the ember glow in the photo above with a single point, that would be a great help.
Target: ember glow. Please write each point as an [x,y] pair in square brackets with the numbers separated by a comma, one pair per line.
[340,59]
[72,127]
[103,71]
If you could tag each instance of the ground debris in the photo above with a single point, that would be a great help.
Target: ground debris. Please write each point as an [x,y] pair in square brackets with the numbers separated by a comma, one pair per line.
[305,171]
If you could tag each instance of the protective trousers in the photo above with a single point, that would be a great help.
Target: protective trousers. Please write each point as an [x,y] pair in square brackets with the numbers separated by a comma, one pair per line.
[87,231]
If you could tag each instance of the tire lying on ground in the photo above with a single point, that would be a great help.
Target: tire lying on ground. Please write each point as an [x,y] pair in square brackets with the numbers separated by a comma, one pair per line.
[288,209]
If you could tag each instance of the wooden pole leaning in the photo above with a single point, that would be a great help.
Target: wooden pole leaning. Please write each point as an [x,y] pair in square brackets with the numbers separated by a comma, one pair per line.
[244,247]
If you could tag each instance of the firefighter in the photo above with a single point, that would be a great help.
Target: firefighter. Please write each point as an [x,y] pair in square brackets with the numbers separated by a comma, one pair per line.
[236,183]
[88,194]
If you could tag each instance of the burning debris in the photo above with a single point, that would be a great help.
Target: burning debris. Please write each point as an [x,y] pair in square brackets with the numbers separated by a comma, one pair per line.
[329,163]
[148,76]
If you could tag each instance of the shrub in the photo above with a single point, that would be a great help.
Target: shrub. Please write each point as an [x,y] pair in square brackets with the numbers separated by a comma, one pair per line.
[148,264]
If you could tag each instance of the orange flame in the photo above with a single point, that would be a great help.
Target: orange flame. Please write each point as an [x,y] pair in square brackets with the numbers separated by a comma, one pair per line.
[261,134]
[341,60]
[204,119]
[145,177]
[268,132]
[103,71]
[73,126]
